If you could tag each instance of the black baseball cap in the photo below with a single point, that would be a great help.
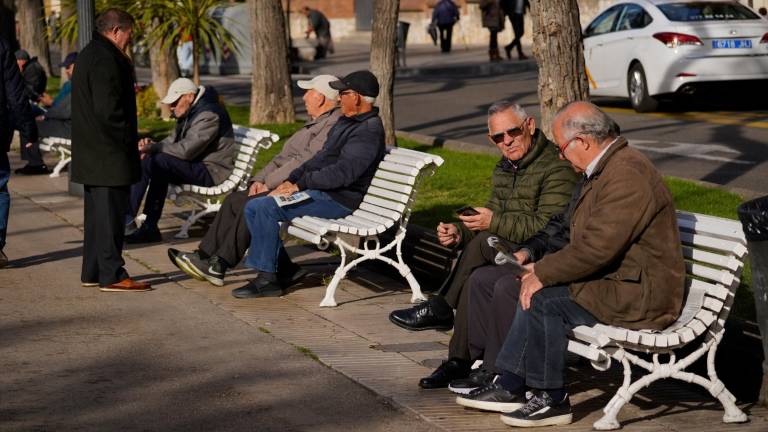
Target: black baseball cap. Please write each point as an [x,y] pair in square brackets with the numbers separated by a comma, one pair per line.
[22,55]
[69,59]
[363,82]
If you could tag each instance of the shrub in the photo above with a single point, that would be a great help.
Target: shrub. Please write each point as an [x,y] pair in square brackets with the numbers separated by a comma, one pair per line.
[147,103]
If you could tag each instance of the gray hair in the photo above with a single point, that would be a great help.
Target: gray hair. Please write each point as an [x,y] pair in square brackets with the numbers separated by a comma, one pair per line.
[370,99]
[114,17]
[593,122]
[506,104]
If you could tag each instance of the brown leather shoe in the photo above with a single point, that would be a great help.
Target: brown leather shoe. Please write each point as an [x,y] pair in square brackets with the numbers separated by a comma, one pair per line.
[127,285]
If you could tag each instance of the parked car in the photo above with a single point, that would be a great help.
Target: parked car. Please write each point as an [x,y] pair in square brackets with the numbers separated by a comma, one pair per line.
[642,49]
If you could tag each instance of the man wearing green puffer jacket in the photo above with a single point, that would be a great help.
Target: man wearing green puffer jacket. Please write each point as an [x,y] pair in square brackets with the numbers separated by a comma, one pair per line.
[529,184]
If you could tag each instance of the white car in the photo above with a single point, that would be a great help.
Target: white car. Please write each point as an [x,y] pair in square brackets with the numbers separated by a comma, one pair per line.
[641,49]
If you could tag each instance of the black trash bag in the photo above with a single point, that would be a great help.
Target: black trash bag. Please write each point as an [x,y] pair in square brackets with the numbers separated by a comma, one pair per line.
[754,219]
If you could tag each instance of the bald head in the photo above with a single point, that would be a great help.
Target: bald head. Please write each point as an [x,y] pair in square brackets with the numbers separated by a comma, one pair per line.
[585,118]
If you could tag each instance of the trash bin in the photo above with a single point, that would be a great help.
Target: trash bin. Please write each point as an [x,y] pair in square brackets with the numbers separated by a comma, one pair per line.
[754,219]
[402,38]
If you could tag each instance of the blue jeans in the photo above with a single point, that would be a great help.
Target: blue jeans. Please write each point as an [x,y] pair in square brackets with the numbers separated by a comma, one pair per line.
[537,342]
[5,197]
[263,214]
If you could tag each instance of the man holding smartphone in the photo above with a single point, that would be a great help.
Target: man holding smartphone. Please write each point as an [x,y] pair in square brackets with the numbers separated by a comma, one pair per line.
[529,184]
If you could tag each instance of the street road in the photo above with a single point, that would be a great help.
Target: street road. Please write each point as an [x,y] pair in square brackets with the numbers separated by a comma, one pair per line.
[723,142]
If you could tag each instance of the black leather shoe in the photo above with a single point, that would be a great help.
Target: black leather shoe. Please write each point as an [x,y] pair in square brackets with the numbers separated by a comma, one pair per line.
[144,234]
[290,278]
[259,287]
[450,370]
[33,170]
[422,317]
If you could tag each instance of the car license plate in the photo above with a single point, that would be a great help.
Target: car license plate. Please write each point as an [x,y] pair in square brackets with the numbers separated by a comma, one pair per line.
[731,43]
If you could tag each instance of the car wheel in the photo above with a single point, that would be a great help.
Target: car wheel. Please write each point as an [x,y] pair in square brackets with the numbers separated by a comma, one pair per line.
[638,90]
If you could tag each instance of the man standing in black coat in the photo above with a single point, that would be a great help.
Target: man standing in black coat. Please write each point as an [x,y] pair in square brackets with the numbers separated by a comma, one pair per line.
[12,100]
[105,153]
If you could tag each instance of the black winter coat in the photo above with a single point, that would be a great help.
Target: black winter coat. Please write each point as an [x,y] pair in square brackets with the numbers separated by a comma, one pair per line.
[13,100]
[345,166]
[104,124]
[35,78]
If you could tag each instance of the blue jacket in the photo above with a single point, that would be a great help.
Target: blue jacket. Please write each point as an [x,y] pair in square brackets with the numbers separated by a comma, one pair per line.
[347,162]
[445,13]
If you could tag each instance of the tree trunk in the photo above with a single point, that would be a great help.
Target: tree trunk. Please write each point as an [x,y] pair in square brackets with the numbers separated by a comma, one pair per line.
[271,96]
[165,69]
[33,35]
[383,35]
[557,45]
[195,58]
[67,10]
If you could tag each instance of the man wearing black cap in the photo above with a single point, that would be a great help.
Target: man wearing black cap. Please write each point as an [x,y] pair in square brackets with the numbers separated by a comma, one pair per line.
[335,180]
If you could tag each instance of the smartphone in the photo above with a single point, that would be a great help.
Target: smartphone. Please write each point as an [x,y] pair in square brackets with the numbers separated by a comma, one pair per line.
[467,211]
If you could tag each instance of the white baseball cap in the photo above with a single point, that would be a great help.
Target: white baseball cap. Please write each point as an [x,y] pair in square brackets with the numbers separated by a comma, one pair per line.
[320,84]
[179,88]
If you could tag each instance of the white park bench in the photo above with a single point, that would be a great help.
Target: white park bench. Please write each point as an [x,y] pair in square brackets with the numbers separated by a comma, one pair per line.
[386,205]
[714,250]
[63,147]
[249,142]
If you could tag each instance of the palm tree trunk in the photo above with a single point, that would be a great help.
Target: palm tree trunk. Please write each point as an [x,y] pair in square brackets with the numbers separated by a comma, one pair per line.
[33,36]
[557,45]
[271,96]
[383,37]
[195,59]
[165,69]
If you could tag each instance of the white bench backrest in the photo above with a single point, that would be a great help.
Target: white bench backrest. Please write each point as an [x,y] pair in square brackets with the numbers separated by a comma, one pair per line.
[249,141]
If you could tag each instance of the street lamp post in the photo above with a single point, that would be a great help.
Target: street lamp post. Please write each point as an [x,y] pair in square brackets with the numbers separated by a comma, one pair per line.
[85,17]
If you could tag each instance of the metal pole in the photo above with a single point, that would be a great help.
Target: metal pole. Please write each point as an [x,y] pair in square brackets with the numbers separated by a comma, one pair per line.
[86,12]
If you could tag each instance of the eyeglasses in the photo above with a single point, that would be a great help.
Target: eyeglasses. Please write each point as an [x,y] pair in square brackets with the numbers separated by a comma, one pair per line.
[513,133]
[563,147]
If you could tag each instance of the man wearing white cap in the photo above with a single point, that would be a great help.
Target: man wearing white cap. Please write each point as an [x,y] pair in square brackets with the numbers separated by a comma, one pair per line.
[199,151]
[228,238]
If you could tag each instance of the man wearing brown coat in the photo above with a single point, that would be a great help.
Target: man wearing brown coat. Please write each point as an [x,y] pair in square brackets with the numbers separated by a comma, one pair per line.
[623,266]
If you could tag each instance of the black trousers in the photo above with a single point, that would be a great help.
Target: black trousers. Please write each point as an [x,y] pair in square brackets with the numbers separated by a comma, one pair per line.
[493,42]
[446,34]
[228,237]
[105,208]
[518,27]
[475,254]
[493,296]
[157,171]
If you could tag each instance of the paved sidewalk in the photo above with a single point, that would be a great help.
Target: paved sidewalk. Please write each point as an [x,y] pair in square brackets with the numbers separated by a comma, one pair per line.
[188,356]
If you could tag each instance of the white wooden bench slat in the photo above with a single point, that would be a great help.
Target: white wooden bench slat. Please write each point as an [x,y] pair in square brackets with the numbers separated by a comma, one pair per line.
[387,222]
[428,158]
[304,235]
[728,261]
[719,276]
[373,227]
[729,246]
[395,177]
[405,160]
[389,185]
[394,196]
[398,168]
[310,226]
[714,250]
[391,214]
[398,207]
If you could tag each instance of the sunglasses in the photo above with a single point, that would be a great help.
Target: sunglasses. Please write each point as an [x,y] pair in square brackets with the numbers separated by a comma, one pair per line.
[513,133]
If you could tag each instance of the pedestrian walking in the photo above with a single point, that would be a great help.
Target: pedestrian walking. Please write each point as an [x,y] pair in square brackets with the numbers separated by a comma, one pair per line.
[445,15]
[319,24]
[515,10]
[493,20]
[13,99]
[105,153]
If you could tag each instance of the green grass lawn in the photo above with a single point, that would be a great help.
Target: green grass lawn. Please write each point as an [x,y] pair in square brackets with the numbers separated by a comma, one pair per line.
[465,179]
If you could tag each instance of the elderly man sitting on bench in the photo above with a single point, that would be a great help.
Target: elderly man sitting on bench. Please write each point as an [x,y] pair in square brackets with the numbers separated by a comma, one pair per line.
[227,239]
[199,151]
[333,182]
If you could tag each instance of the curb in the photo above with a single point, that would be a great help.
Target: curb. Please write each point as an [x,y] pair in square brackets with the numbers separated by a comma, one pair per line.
[473,69]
